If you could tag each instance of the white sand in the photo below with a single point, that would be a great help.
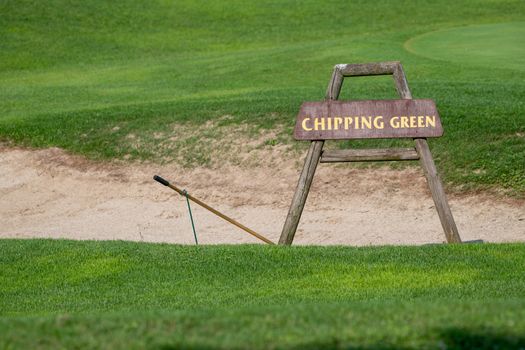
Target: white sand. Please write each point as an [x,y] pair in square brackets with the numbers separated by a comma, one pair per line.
[48,193]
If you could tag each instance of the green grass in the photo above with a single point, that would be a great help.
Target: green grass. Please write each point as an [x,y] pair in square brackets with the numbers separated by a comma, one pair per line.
[85,76]
[487,46]
[67,294]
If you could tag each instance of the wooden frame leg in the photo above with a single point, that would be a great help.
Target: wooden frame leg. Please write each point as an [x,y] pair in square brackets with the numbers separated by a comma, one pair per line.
[438,193]
[427,162]
[301,192]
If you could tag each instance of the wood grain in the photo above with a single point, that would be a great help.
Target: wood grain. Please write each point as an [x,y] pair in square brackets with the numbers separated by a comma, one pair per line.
[427,162]
[365,155]
[301,193]
[307,174]
[438,193]
[368,119]
[365,69]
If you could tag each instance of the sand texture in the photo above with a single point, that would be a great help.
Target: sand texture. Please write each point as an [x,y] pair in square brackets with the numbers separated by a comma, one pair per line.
[48,193]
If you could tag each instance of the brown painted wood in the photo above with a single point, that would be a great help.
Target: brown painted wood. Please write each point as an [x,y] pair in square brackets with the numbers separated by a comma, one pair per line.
[369,119]
[365,155]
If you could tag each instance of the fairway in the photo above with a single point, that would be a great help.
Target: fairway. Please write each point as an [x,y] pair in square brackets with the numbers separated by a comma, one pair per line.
[140,80]
[489,46]
[129,295]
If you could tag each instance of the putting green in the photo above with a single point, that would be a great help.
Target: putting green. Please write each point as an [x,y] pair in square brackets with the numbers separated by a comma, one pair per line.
[495,45]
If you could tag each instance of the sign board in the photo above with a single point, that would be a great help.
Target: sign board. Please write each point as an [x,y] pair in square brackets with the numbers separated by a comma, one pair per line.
[333,120]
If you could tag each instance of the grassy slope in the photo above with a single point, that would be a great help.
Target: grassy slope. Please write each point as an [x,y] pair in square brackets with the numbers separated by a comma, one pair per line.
[132,295]
[71,72]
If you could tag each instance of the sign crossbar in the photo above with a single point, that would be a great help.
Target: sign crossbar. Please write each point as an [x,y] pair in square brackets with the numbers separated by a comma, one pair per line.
[316,155]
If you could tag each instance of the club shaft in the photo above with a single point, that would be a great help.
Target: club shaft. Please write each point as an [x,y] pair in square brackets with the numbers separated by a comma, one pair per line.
[219,214]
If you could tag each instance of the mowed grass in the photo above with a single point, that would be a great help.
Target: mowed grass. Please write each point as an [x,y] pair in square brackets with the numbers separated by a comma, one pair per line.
[70,294]
[116,79]
[486,45]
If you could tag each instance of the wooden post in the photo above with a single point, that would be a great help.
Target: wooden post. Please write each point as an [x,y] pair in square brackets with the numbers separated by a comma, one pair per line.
[307,174]
[429,167]
[438,193]
[301,192]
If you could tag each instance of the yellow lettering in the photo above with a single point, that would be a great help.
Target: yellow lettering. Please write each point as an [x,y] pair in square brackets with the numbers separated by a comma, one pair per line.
[378,122]
[431,121]
[319,122]
[413,121]
[356,122]
[329,123]
[404,122]
[366,122]
[337,121]
[420,121]
[394,122]
[304,124]
[348,121]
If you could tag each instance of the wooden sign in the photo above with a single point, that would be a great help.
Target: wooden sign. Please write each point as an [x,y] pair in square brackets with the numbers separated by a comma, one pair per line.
[331,120]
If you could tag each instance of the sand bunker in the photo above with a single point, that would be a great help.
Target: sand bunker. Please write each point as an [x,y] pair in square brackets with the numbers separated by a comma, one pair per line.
[48,193]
